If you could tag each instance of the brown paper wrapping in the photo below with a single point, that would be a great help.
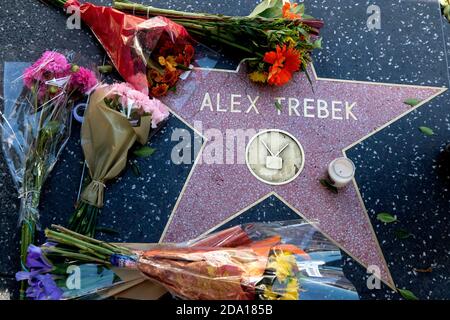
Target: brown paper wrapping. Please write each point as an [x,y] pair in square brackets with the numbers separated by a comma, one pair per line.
[106,138]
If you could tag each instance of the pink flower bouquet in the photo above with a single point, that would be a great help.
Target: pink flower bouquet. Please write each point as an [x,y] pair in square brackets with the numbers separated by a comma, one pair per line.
[36,127]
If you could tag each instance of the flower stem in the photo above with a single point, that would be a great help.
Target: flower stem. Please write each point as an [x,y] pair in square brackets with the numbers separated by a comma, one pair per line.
[27,238]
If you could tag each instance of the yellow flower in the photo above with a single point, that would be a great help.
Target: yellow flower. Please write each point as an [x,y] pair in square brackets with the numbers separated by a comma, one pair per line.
[169,63]
[258,76]
[269,294]
[283,264]
[291,42]
[291,290]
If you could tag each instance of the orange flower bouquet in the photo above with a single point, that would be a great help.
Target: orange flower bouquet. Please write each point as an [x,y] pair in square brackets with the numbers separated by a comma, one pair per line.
[275,40]
[247,262]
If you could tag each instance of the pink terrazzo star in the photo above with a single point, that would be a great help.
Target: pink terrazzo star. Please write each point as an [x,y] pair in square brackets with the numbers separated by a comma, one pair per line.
[216,192]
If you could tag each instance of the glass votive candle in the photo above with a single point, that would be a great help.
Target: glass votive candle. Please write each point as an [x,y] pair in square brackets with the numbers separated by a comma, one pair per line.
[341,172]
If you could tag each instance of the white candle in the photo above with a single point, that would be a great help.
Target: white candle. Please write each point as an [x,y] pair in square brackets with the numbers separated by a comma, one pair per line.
[341,172]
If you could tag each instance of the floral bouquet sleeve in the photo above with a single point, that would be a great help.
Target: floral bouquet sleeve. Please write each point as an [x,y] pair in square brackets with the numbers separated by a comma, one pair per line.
[117,116]
[277,261]
[35,127]
[150,54]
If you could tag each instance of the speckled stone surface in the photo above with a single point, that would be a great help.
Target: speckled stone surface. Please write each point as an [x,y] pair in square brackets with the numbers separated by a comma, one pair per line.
[216,191]
[411,48]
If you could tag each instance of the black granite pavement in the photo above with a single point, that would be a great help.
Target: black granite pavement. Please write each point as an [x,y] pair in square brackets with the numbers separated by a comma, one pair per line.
[399,170]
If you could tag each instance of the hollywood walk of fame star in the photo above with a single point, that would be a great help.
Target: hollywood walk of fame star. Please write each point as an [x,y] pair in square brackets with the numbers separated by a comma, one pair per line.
[215,193]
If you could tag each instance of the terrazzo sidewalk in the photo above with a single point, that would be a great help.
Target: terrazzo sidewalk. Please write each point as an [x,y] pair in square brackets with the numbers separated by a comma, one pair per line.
[398,169]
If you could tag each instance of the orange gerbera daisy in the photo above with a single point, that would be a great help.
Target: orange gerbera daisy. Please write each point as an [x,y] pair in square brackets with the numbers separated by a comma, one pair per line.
[285,61]
[287,13]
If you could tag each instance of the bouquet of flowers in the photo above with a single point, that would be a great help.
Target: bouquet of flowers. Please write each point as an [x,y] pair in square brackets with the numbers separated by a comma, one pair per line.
[277,261]
[275,40]
[36,127]
[150,54]
[117,116]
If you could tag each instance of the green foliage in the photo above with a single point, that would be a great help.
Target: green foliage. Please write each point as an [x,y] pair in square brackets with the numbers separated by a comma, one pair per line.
[143,152]
[426,131]
[386,217]
[412,102]
[408,295]
[268,9]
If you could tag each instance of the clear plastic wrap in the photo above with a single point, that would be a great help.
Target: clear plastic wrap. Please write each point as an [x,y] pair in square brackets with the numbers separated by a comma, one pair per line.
[33,135]
[35,125]
[149,54]
[277,261]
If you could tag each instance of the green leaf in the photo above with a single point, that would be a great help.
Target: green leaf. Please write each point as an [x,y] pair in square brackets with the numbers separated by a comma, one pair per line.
[327,184]
[144,152]
[408,295]
[318,43]
[183,67]
[135,169]
[107,230]
[278,105]
[412,102]
[105,69]
[309,80]
[426,131]
[51,127]
[268,9]
[402,234]
[386,217]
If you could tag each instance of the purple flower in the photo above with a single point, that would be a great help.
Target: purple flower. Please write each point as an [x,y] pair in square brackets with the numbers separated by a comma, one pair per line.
[41,286]
[40,282]
[36,260]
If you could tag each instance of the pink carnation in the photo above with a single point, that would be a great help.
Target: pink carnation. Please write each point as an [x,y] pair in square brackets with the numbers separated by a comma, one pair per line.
[50,65]
[141,101]
[82,80]
[158,110]
[120,88]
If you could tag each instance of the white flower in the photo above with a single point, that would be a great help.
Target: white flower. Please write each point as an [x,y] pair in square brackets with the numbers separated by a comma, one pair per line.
[445,3]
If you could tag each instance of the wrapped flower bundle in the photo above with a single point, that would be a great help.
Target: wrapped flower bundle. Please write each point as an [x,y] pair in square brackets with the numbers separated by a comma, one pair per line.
[117,116]
[248,262]
[35,129]
[150,54]
[275,40]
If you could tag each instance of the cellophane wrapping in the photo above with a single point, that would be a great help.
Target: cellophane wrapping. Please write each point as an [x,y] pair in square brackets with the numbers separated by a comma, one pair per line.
[276,261]
[290,260]
[151,54]
[35,125]
[35,128]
